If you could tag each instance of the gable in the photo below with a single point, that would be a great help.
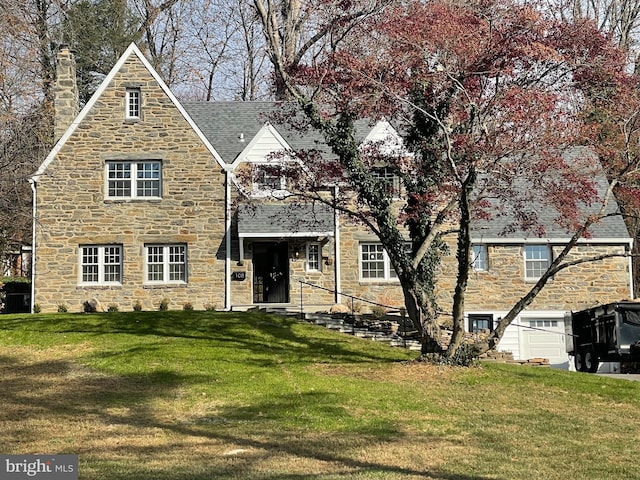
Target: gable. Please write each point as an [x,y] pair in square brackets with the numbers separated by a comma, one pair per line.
[132,69]
[266,142]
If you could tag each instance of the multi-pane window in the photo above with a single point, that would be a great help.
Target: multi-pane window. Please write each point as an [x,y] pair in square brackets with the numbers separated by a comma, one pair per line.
[479,258]
[101,264]
[268,178]
[127,179]
[375,263]
[537,259]
[313,257]
[390,181]
[133,101]
[166,263]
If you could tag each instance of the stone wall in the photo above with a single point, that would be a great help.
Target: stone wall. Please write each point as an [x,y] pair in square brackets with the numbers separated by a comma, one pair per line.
[503,283]
[72,209]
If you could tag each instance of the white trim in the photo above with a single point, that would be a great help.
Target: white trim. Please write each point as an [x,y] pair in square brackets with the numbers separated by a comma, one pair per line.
[548,260]
[132,49]
[285,234]
[166,263]
[551,240]
[101,264]
[227,262]
[266,128]
[336,246]
[127,103]
[34,224]
[308,246]
[630,268]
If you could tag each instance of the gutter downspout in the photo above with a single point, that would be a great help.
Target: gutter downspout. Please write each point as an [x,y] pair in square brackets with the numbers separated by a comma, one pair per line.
[227,264]
[33,184]
[336,241]
[631,286]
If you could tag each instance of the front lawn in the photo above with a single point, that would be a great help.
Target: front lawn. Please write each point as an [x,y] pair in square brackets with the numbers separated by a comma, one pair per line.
[206,395]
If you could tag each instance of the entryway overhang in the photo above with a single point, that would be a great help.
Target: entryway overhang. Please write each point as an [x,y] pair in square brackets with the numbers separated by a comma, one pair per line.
[284,221]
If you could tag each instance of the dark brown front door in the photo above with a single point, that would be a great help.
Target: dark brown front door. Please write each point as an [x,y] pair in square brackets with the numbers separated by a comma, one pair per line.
[270,272]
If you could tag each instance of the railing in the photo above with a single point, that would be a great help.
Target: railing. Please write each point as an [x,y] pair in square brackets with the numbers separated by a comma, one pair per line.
[352,300]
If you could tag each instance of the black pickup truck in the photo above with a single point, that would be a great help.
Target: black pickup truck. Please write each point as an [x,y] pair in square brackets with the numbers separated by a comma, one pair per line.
[607,333]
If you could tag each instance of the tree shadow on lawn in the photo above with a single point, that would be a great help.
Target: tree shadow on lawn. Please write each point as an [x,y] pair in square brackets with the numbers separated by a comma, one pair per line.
[115,426]
[261,334]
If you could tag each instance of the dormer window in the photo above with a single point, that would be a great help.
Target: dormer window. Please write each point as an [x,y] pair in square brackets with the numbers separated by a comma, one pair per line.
[268,179]
[133,103]
[390,181]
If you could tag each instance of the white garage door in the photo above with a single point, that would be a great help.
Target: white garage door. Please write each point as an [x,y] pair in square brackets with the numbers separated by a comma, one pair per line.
[545,339]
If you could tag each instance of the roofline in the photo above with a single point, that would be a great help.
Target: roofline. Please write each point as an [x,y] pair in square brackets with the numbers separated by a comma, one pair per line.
[285,234]
[267,127]
[132,49]
[551,240]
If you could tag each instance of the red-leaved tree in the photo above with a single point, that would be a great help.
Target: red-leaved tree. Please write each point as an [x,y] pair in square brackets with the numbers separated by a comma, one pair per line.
[491,98]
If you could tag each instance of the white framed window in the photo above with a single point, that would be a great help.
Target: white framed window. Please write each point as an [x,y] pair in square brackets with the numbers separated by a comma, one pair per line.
[375,263]
[134,179]
[479,258]
[101,264]
[268,178]
[165,264]
[133,103]
[390,180]
[313,257]
[537,259]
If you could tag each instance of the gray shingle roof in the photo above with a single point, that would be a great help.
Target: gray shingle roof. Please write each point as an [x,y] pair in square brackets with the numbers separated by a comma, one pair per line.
[224,122]
[609,227]
[285,219]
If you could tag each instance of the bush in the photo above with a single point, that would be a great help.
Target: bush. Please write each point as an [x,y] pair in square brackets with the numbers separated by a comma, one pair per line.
[187,307]
[378,311]
[113,308]
[62,308]
[37,308]
[88,307]
[164,305]
[210,307]
[137,307]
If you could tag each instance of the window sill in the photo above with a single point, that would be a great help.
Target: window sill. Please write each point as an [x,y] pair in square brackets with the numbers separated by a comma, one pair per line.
[133,200]
[98,286]
[152,286]
[379,281]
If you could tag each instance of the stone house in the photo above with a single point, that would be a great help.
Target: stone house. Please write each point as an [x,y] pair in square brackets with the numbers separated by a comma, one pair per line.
[135,204]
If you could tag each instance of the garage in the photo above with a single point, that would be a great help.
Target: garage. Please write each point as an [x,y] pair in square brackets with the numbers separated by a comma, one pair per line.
[544,338]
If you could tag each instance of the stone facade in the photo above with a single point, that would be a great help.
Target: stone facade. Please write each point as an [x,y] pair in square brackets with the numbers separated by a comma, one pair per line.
[195,209]
[72,208]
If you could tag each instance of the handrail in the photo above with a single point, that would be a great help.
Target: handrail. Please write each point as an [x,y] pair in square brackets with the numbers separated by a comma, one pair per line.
[402,310]
[351,297]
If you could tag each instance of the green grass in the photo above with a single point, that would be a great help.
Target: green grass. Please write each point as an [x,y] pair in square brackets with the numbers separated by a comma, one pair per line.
[203,395]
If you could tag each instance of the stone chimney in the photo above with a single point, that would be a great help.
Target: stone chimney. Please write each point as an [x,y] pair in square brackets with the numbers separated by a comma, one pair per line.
[66,91]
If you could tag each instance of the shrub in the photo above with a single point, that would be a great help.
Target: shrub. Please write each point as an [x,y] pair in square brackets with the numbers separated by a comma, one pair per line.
[88,307]
[62,308]
[378,311]
[137,307]
[113,308]
[164,305]
[37,308]
[210,307]
[187,307]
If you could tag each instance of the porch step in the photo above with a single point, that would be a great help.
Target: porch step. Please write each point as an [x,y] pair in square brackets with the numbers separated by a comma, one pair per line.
[386,331]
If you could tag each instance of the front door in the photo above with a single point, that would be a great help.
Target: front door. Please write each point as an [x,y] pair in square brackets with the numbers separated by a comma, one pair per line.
[270,272]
